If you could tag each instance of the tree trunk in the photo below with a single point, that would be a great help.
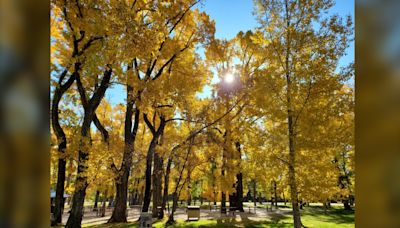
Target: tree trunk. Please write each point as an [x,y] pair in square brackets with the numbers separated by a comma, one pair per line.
[292,183]
[223,202]
[239,182]
[59,200]
[239,192]
[171,219]
[284,199]
[103,207]
[254,193]
[62,145]
[166,185]
[224,157]
[189,189]
[90,106]
[346,204]
[119,212]
[149,159]
[275,196]
[157,184]
[96,200]
[76,214]
[75,217]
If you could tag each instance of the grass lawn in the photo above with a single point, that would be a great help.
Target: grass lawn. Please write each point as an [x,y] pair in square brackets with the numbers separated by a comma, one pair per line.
[313,216]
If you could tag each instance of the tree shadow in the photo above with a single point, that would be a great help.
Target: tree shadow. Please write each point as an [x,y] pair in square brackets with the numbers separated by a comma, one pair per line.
[332,215]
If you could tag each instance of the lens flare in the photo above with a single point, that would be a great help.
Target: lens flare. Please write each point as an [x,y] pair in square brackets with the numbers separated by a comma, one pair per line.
[229,78]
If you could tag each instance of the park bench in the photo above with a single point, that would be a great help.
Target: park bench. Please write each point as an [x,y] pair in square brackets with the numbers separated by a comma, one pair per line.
[193,213]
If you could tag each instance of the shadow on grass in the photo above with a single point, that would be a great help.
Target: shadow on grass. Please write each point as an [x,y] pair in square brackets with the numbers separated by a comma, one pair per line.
[332,215]
[115,225]
[228,222]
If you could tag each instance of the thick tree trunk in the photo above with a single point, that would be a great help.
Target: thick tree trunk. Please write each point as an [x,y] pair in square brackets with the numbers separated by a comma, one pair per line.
[121,182]
[119,212]
[346,204]
[254,193]
[166,185]
[157,184]
[189,191]
[62,145]
[239,182]
[291,133]
[223,202]
[224,157]
[292,162]
[223,198]
[149,159]
[59,200]
[292,180]
[275,196]
[239,192]
[284,199]
[76,213]
[103,207]
[96,200]
[90,107]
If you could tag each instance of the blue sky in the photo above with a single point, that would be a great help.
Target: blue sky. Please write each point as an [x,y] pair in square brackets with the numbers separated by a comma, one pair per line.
[232,16]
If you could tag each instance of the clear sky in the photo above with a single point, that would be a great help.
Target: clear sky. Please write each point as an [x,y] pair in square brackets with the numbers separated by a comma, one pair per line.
[232,16]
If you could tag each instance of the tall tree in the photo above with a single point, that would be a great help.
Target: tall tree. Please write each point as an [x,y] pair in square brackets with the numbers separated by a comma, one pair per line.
[304,45]
[170,30]
[66,48]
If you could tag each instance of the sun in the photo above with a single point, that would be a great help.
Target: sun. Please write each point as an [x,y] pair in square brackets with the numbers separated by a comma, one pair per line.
[229,78]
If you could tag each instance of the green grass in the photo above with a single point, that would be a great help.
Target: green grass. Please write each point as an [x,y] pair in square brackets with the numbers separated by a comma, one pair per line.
[313,216]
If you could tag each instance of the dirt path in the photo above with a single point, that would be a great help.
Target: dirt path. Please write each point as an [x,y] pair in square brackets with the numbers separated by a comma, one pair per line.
[249,215]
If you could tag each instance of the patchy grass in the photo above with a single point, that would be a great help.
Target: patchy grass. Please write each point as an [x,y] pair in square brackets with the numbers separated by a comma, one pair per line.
[312,217]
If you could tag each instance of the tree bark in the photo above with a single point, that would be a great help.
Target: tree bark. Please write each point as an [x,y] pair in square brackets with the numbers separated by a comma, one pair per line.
[62,144]
[223,202]
[239,192]
[275,195]
[254,193]
[292,174]
[171,219]
[149,159]
[157,184]
[239,183]
[121,184]
[119,212]
[90,107]
[346,204]
[96,200]
[76,213]
[166,185]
